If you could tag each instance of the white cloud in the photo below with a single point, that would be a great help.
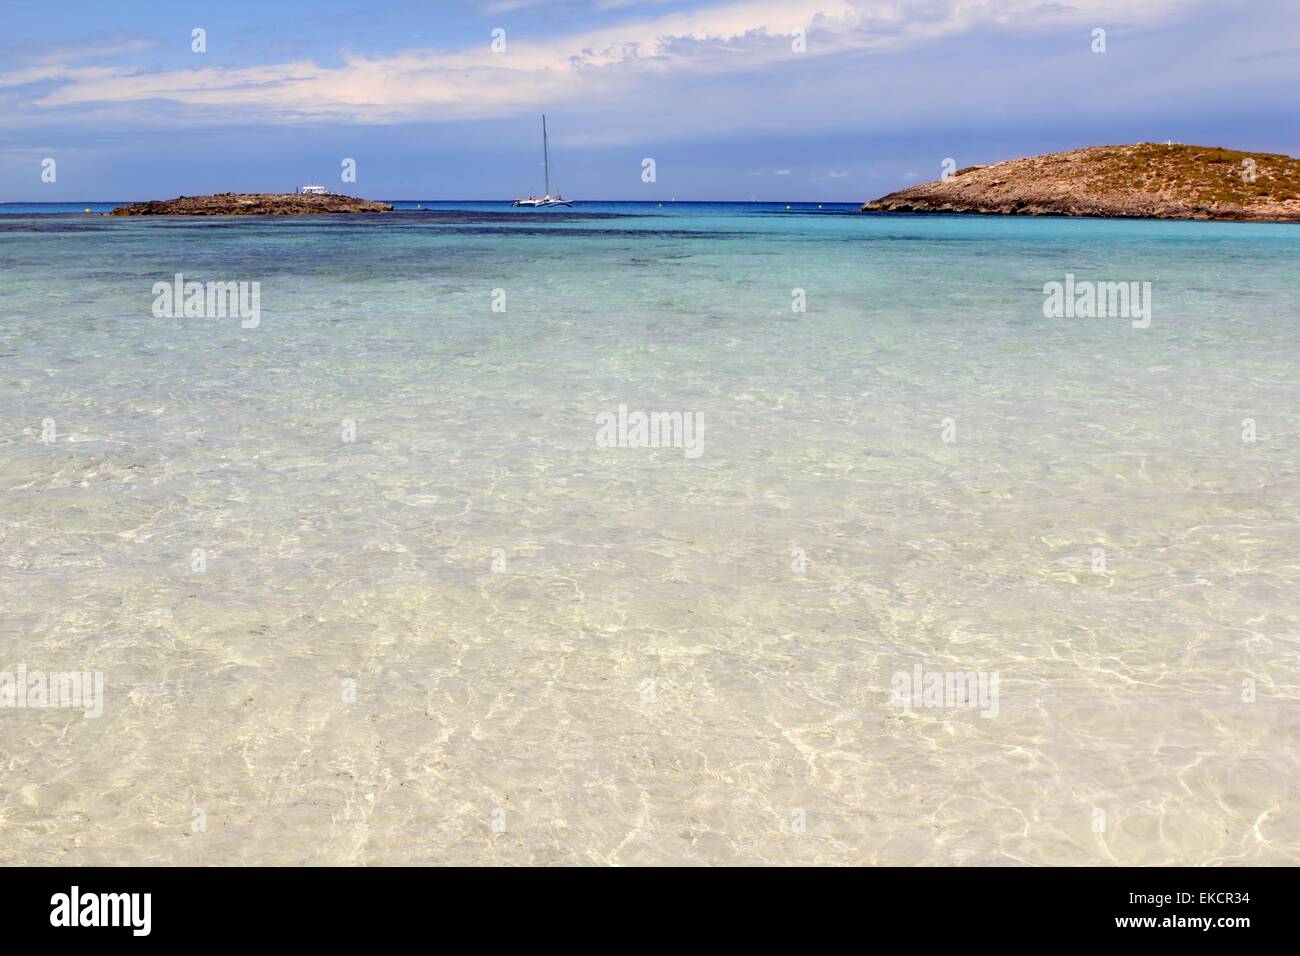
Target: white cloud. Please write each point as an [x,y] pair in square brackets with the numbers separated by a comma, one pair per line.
[93,48]
[510,6]
[619,62]
[57,72]
[623,4]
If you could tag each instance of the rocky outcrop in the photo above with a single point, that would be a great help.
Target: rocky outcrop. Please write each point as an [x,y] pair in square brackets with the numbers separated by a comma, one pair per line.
[1147,180]
[252,204]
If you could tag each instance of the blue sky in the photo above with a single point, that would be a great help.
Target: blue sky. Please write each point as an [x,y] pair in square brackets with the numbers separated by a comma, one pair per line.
[733,99]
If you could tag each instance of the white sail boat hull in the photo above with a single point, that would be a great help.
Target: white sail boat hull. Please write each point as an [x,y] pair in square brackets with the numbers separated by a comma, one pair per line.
[544,201]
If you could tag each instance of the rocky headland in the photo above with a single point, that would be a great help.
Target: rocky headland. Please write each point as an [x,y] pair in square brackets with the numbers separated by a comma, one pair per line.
[252,204]
[1143,180]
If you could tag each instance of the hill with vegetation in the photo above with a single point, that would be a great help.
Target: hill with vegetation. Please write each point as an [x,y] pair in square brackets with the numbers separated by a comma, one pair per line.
[1146,180]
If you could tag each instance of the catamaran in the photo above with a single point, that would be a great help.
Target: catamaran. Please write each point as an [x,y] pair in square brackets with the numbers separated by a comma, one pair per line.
[547,200]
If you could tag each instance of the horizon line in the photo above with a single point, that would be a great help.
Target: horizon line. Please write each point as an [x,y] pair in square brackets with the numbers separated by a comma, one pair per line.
[670,202]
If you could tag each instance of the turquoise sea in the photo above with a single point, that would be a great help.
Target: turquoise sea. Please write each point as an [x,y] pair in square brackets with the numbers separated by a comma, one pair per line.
[365,586]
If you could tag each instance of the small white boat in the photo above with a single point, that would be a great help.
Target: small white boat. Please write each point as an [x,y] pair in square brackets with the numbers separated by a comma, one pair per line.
[534,202]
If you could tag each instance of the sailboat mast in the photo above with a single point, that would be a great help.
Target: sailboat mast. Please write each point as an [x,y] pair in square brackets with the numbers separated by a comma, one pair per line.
[546,157]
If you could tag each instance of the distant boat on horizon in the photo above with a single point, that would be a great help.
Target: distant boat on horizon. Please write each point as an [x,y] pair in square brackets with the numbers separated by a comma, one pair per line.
[533,202]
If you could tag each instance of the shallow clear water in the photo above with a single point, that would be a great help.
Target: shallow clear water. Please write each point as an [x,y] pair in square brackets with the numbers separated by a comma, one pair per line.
[640,673]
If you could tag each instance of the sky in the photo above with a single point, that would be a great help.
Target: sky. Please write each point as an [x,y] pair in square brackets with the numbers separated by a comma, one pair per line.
[778,100]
